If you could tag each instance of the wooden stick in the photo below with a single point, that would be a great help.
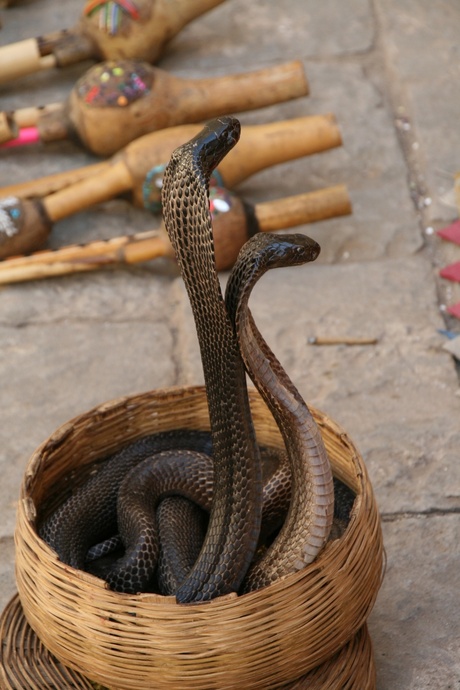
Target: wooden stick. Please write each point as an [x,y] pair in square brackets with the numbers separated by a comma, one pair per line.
[341,340]
[457,190]
[110,182]
[231,230]
[141,35]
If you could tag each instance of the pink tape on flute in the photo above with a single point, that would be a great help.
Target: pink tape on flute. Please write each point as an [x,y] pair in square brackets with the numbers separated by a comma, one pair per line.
[27,135]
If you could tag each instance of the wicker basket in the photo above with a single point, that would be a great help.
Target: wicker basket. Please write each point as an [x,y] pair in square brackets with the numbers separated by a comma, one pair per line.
[264,639]
[26,663]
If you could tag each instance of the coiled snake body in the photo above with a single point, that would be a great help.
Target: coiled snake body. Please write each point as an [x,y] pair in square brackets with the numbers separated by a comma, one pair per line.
[234,524]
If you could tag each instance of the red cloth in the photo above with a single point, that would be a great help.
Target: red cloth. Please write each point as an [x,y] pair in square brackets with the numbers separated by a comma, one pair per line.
[451,272]
[451,232]
[454,310]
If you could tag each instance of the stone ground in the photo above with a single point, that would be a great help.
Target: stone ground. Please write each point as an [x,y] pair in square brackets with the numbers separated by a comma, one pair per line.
[389,70]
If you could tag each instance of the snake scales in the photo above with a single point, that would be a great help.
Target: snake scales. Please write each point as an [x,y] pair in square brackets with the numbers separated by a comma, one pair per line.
[177,462]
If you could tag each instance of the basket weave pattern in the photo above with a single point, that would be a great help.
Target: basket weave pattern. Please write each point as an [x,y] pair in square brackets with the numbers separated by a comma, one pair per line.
[265,639]
[26,663]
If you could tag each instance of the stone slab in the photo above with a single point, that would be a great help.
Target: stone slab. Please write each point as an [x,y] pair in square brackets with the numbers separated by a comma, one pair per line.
[414,625]
[453,346]
[141,294]
[235,31]
[385,395]
[422,49]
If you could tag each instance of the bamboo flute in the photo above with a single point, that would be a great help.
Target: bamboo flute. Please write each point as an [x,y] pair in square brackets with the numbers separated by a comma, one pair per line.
[107,29]
[118,101]
[315,133]
[14,122]
[234,221]
[43,186]
[25,223]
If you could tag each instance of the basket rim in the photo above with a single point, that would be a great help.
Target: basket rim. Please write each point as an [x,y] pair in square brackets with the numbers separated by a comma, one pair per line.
[62,433]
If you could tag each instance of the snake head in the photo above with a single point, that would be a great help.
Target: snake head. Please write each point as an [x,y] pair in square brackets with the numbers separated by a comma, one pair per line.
[291,250]
[261,253]
[215,140]
[269,250]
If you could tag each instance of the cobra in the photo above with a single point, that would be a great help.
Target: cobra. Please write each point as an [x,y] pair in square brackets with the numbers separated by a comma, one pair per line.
[311,509]
[235,518]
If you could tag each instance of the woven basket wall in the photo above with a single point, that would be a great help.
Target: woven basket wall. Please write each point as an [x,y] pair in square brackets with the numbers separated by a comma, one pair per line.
[26,663]
[265,639]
